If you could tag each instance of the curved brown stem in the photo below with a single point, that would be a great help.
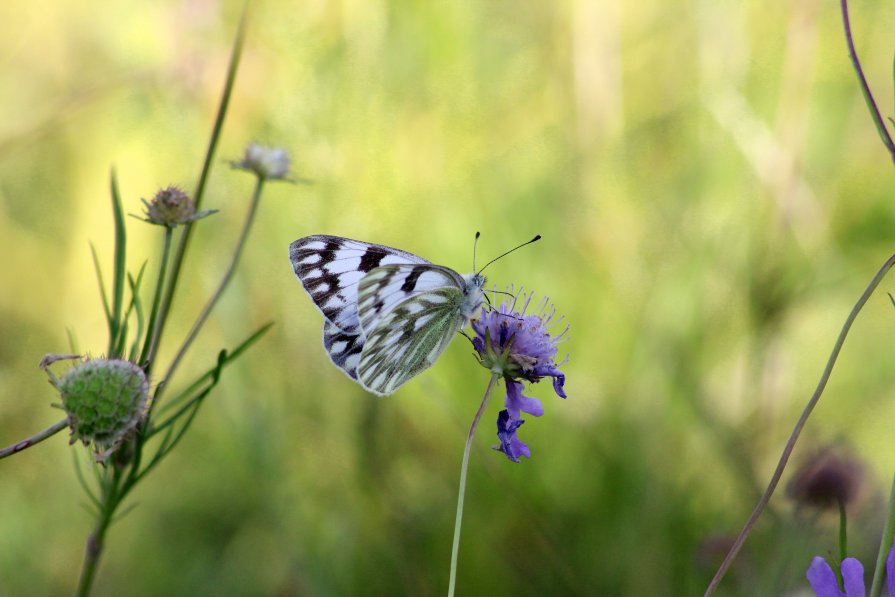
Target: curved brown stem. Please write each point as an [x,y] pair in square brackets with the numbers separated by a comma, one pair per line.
[797,430]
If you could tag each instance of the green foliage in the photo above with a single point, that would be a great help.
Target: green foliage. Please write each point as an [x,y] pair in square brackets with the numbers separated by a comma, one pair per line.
[710,194]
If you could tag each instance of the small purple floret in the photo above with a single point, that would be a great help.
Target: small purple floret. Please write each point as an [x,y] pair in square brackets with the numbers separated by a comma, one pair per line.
[510,445]
[823,580]
[517,403]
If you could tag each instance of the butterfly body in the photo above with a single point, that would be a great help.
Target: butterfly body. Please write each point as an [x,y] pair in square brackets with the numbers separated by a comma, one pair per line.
[389,314]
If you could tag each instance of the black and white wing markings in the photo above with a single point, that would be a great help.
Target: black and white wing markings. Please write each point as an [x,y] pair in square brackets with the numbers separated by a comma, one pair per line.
[389,314]
[409,338]
[386,286]
[344,350]
[330,268]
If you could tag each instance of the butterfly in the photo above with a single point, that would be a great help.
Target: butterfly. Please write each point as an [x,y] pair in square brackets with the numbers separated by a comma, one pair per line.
[388,314]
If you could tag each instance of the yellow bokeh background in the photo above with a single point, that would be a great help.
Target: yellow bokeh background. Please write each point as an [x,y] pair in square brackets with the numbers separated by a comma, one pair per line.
[713,199]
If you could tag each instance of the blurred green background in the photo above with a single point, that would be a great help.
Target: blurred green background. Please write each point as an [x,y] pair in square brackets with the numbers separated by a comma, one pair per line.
[713,199]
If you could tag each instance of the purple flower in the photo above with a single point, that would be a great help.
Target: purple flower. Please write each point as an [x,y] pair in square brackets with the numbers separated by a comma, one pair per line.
[826,479]
[510,445]
[519,347]
[823,580]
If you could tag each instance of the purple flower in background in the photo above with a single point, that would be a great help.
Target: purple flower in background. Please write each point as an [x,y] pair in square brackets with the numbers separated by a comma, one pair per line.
[827,479]
[519,347]
[823,580]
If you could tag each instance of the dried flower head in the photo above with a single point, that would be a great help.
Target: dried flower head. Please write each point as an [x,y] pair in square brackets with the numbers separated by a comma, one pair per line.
[519,347]
[105,399]
[827,479]
[172,207]
[268,163]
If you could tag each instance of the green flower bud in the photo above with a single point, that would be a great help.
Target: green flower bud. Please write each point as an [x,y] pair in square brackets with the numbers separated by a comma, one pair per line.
[105,400]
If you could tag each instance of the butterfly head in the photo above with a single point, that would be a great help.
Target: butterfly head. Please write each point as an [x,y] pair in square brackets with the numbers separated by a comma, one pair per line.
[473,295]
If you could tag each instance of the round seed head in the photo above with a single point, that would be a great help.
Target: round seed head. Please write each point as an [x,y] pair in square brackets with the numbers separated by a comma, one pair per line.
[105,400]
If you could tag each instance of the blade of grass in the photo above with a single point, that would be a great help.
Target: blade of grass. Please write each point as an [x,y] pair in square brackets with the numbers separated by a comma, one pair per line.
[218,293]
[79,473]
[193,408]
[885,544]
[72,342]
[152,333]
[208,375]
[136,305]
[211,376]
[177,262]
[122,338]
[115,334]
[184,408]
[102,287]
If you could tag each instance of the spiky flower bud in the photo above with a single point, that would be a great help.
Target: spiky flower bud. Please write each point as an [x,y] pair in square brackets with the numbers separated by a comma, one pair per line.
[172,207]
[268,163]
[105,400]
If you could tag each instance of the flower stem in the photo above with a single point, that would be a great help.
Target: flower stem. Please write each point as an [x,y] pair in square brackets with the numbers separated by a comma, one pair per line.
[455,548]
[228,275]
[34,439]
[797,430]
[92,552]
[885,545]
[865,88]
[150,347]
[843,533]
[111,499]
[179,254]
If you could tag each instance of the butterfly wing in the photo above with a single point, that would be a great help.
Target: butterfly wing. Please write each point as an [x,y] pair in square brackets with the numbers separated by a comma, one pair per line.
[343,349]
[330,268]
[409,338]
[386,286]
[389,313]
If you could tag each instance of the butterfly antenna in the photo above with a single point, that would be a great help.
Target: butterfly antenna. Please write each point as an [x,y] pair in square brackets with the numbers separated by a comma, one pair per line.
[514,296]
[474,245]
[538,237]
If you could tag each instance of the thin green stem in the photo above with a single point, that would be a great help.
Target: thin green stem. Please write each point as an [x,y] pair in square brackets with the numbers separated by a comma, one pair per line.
[797,430]
[191,389]
[455,548]
[136,307]
[94,548]
[228,275]
[865,88]
[885,544]
[34,439]
[177,262]
[843,531]
[116,323]
[150,347]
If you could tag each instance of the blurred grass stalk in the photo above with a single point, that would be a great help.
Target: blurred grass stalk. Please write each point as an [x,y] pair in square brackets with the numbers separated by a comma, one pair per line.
[118,474]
